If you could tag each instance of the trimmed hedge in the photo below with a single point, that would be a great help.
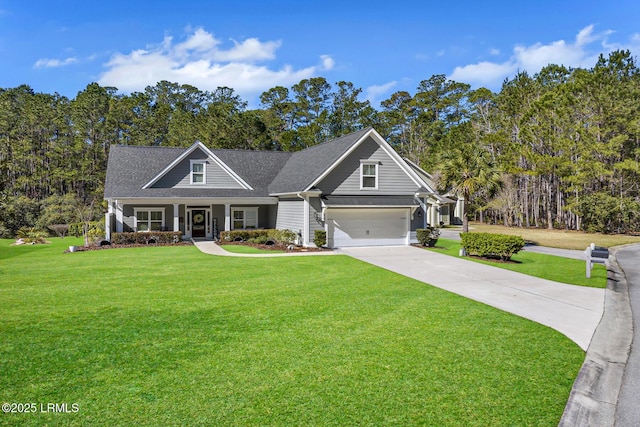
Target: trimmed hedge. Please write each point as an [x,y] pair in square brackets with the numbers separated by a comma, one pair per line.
[145,238]
[259,236]
[319,238]
[427,236]
[489,245]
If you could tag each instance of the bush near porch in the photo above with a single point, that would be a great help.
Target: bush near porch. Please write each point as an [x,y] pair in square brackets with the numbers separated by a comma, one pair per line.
[285,237]
[143,238]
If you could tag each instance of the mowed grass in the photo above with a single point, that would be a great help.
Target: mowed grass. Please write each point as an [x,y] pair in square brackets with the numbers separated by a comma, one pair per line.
[558,269]
[563,239]
[240,249]
[170,336]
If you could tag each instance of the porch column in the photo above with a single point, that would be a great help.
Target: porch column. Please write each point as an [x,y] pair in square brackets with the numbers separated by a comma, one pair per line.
[305,231]
[119,220]
[425,208]
[227,217]
[176,217]
[108,219]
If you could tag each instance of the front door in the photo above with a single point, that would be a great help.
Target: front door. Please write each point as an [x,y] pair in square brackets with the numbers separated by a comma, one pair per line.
[198,228]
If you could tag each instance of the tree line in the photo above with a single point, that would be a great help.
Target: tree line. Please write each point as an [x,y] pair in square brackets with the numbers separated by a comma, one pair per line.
[561,146]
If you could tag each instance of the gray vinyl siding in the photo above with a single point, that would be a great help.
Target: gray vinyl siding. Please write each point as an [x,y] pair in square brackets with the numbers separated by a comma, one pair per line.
[290,215]
[315,206]
[417,221]
[345,178]
[180,175]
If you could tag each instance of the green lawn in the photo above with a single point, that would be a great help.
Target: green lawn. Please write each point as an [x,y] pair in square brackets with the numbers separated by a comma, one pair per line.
[170,336]
[240,249]
[558,269]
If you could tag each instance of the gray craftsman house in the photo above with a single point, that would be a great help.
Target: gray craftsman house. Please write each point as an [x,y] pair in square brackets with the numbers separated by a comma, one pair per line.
[355,187]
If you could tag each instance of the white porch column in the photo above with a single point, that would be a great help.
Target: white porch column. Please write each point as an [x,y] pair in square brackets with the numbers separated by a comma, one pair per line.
[227,217]
[176,217]
[305,231]
[119,216]
[425,208]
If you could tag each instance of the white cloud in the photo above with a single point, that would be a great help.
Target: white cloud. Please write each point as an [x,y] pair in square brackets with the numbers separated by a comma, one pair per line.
[583,52]
[53,63]
[374,93]
[203,62]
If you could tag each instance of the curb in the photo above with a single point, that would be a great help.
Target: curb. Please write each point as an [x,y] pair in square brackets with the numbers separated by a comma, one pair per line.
[594,395]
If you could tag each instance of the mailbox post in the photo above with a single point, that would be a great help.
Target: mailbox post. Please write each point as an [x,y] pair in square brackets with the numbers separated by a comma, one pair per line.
[595,255]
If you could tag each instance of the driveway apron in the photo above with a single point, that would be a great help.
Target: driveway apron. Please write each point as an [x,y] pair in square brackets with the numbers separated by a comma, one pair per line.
[575,311]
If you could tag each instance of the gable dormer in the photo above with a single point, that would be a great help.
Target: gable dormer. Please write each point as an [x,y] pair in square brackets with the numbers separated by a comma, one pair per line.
[197,167]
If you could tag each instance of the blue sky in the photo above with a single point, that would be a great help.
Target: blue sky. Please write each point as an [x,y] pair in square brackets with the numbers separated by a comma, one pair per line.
[251,46]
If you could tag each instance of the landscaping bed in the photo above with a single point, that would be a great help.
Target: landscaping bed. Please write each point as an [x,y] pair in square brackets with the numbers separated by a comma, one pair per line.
[277,246]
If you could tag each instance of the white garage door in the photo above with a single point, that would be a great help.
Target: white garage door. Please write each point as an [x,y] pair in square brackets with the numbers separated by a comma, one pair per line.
[367,227]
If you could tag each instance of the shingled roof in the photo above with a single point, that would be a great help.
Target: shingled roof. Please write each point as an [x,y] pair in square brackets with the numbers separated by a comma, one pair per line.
[307,165]
[130,167]
[267,172]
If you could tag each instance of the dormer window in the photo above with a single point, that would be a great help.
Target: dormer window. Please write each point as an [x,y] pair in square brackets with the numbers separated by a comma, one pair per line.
[369,176]
[198,172]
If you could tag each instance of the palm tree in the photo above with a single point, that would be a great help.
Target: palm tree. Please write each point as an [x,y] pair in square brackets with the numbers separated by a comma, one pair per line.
[467,170]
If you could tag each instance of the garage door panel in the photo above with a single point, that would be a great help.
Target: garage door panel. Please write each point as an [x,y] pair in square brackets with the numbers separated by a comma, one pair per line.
[368,227]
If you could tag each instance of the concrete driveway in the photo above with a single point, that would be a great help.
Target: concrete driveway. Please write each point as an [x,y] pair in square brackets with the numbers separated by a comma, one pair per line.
[575,311]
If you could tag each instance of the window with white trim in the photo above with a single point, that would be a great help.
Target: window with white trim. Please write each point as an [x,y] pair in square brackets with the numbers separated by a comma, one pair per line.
[198,172]
[149,219]
[369,175]
[243,218]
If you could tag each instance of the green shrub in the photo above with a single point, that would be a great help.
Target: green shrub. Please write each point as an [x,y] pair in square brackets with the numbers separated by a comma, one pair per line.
[491,245]
[427,236]
[144,238]
[285,237]
[230,236]
[32,235]
[320,238]
[261,240]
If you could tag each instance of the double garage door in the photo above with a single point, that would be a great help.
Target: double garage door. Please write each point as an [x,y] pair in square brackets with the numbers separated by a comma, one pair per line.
[367,227]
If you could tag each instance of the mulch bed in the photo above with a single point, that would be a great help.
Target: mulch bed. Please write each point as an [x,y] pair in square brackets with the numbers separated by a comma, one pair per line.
[95,247]
[277,247]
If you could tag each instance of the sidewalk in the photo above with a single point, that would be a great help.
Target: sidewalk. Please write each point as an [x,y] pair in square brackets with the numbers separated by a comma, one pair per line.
[212,248]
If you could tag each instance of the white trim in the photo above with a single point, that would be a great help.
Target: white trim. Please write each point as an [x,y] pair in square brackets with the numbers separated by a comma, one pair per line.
[305,221]
[375,164]
[385,146]
[188,226]
[148,210]
[119,217]
[193,162]
[209,154]
[176,216]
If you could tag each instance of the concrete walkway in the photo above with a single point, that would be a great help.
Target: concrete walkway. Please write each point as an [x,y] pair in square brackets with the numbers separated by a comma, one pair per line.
[212,248]
[575,311]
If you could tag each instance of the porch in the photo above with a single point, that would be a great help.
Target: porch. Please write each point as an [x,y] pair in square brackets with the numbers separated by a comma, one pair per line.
[195,219]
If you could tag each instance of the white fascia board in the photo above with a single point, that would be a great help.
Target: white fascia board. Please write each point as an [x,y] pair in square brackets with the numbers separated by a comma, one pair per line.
[199,200]
[209,154]
[398,159]
[426,184]
[337,162]
[385,146]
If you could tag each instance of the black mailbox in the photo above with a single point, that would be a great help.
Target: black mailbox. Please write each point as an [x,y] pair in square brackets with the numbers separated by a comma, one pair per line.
[600,252]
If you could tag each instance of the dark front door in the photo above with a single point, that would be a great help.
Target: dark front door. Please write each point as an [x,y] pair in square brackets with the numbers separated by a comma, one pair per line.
[199,218]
